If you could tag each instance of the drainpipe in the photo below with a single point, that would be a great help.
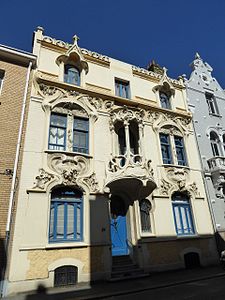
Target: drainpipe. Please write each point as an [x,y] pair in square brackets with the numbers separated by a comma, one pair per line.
[13,186]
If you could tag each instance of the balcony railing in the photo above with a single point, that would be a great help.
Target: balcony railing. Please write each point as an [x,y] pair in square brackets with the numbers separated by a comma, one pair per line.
[216,163]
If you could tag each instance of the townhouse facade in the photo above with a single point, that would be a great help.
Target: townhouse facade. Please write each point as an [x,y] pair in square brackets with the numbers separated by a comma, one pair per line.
[111,173]
[206,100]
[15,75]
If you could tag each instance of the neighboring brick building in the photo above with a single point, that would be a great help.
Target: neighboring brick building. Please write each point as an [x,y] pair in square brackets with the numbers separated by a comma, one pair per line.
[15,75]
[111,182]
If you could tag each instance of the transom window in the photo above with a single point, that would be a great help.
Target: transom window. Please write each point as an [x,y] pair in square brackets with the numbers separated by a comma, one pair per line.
[122,88]
[182,214]
[66,215]
[59,133]
[164,100]
[166,141]
[212,105]
[71,75]
[145,207]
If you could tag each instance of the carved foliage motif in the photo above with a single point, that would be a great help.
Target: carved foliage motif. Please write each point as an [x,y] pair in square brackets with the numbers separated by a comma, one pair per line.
[42,179]
[67,170]
[158,119]
[177,179]
[127,114]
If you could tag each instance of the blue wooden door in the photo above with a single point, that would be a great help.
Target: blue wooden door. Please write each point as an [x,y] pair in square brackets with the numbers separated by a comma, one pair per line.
[119,235]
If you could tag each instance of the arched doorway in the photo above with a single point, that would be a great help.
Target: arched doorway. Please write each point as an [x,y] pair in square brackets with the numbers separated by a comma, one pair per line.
[118,226]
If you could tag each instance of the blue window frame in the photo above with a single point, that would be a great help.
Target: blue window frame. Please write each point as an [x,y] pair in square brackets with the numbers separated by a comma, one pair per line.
[164,100]
[122,89]
[72,75]
[180,151]
[81,135]
[182,214]
[57,132]
[166,148]
[66,216]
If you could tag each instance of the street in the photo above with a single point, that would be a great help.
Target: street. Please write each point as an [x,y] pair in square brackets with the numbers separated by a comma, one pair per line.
[203,289]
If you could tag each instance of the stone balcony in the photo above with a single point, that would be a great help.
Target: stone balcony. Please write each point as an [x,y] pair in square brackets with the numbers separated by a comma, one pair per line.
[217,170]
[216,164]
[130,174]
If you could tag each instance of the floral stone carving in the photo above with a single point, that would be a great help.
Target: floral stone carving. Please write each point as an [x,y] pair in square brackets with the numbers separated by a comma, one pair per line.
[42,179]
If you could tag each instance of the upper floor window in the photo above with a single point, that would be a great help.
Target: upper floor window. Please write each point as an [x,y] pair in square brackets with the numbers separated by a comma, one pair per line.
[59,133]
[212,105]
[122,88]
[71,75]
[164,100]
[182,214]
[2,74]
[166,141]
[215,143]
[145,207]
[66,215]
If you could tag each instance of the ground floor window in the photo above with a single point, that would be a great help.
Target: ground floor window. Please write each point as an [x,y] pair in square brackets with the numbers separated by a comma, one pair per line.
[65,275]
[182,214]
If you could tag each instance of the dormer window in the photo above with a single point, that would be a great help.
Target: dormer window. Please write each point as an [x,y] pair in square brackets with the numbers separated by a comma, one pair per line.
[71,75]
[164,100]
[72,65]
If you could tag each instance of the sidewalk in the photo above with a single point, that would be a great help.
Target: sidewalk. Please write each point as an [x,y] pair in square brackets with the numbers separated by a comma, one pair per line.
[103,290]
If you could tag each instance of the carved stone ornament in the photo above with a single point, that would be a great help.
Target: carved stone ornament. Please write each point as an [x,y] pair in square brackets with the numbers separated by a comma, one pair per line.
[42,179]
[126,114]
[160,119]
[177,179]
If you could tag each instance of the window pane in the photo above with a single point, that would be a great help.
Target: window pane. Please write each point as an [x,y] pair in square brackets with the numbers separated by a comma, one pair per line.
[166,149]
[57,132]
[122,89]
[181,157]
[164,100]
[80,135]
[70,221]
[60,222]
[72,75]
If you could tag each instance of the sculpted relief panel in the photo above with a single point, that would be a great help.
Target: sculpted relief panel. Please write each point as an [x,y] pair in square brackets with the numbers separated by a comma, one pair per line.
[177,179]
[67,170]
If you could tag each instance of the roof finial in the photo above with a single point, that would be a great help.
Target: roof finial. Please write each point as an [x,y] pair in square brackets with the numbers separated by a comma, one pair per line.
[197,56]
[75,39]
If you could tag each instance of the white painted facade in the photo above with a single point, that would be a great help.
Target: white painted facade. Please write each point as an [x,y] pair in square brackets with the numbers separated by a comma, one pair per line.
[103,173]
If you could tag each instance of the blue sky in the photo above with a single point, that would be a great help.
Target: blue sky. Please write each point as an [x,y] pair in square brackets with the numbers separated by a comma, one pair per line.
[169,31]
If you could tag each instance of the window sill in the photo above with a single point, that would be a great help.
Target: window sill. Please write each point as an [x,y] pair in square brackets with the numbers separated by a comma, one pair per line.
[215,115]
[147,235]
[175,166]
[72,244]
[69,153]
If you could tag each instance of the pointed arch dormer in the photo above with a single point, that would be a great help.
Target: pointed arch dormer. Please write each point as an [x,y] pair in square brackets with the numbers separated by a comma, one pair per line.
[72,65]
[164,91]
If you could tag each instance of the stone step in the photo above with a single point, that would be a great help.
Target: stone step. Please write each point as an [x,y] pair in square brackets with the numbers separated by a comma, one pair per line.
[123,259]
[124,268]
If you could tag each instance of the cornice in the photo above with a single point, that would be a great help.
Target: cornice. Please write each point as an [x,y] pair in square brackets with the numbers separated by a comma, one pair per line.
[106,96]
[149,75]
[62,47]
